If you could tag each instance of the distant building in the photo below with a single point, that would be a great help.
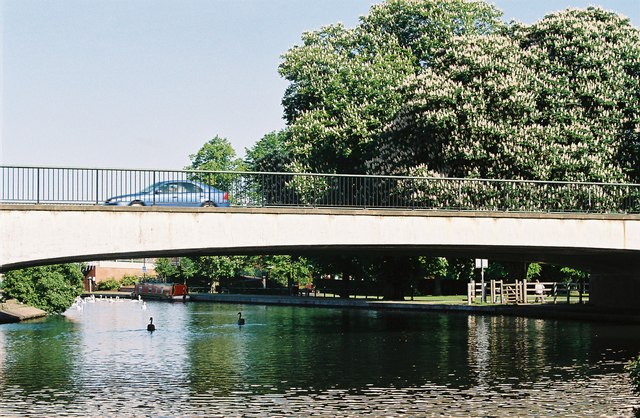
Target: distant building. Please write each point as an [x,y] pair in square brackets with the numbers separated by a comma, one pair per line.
[98,271]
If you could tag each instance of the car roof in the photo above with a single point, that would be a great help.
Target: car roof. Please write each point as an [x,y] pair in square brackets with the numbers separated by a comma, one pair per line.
[184,181]
[180,181]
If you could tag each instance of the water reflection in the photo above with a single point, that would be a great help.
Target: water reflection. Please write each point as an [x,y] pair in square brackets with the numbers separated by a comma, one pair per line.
[293,361]
[39,348]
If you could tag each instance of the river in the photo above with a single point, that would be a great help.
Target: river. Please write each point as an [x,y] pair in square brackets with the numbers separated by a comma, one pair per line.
[290,361]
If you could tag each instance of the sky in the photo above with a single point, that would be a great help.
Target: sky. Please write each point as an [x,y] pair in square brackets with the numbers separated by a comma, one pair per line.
[145,83]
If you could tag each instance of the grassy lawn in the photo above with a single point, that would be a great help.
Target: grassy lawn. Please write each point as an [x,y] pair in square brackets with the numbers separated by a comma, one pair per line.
[455,299]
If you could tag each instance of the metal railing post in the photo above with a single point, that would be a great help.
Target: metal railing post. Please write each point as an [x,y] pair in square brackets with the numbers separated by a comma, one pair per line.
[38,186]
[153,181]
[315,196]
[97,186]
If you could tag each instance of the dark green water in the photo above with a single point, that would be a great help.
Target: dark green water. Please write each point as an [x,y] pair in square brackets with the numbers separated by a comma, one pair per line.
[287,361]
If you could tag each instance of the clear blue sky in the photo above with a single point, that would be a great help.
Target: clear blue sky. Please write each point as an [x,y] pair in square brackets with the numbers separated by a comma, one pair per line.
[145,83]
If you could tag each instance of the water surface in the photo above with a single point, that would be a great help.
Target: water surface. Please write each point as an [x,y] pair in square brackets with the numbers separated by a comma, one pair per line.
[292,361]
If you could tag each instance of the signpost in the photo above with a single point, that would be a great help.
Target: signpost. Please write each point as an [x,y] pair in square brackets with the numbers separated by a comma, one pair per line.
[482,263]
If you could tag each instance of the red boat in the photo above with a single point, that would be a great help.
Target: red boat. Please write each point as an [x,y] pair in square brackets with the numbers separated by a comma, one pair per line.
[161,291]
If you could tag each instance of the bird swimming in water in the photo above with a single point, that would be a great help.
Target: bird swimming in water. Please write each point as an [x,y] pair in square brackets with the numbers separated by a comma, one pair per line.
[151,327]
[240,319]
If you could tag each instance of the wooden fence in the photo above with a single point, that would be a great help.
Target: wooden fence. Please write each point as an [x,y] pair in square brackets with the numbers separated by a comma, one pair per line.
[525,292]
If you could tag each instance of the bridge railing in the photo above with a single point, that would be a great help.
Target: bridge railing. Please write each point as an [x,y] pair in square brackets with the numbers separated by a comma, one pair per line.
[93,186]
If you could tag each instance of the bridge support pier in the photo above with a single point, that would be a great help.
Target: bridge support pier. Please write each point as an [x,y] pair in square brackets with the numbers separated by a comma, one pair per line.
[615,290]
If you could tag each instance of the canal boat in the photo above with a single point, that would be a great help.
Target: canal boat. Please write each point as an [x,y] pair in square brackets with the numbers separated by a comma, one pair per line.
[161,291]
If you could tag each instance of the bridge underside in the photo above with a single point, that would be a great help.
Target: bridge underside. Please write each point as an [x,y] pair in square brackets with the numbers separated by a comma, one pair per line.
[620,262]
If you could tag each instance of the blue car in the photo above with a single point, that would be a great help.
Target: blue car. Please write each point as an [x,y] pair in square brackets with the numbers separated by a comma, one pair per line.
[173,193]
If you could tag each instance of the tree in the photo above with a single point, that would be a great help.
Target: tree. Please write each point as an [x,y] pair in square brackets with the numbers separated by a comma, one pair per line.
[571,275]
[166,268]
[534,271]
[216,155]
[595,58]
[424,27]
[557,100]
[50,288]
[344,82]
[209,269]
[340,96]
[286,269]
[270,153]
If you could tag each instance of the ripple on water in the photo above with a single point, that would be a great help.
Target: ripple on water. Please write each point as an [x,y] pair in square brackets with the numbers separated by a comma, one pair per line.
[308,362]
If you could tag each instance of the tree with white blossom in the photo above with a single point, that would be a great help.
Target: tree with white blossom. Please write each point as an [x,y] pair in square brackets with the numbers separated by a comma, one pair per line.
[557,100]
[343,81]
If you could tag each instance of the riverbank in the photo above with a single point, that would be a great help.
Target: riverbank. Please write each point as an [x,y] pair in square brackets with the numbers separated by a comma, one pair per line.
[14,311]
[582,312]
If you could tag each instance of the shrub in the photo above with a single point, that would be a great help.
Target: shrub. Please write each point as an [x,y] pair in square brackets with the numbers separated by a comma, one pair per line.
[109,284]
[128,280]
[51,288]
[633,368]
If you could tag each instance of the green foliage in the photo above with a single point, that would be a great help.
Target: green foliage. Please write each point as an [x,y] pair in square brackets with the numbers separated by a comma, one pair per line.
[167,268]
[633,368]
[283,268]
[571,275]
[344,82]
[114,284]
[534,271]
[51,288]
[557,100]
[216,155]
[460,269]
[109,284]
[424,27]
[497,271]
[434,267]
[211,268]
[270,153]
[202,271]
[128,280]
[341,94]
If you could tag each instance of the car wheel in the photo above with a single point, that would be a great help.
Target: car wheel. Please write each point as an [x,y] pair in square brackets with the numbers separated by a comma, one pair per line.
[207,204]
[136,203]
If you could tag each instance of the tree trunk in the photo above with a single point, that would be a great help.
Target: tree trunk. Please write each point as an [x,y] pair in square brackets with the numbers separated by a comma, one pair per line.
[437,285]
[346,276]
[395,277]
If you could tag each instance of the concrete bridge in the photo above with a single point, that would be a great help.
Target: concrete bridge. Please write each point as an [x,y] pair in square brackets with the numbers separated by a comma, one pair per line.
[607,245]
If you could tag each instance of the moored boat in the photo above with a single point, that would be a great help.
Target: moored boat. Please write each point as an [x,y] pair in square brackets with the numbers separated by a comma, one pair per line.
[161,291]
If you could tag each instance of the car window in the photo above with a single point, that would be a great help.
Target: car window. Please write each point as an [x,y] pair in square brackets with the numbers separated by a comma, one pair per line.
[191,188]
[169,188]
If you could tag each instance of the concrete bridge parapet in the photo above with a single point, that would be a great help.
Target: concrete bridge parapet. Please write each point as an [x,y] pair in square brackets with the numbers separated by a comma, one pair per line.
[45,234]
